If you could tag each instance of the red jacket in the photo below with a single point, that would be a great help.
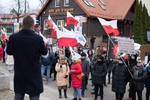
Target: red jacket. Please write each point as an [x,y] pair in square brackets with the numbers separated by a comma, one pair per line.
[76,83]
[1,52]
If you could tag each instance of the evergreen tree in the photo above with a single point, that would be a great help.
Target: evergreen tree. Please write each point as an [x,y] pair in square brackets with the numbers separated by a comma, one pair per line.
[137,25]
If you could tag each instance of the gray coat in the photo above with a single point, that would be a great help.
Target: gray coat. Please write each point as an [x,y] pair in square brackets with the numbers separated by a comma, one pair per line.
[85,66]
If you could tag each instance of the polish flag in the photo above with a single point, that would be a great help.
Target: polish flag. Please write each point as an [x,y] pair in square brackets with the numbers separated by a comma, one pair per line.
[52,25]
[71,20]
[109,26]
[3,35]
[66,39]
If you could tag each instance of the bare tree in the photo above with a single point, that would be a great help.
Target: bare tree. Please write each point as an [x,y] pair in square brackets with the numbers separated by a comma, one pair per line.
[42,2]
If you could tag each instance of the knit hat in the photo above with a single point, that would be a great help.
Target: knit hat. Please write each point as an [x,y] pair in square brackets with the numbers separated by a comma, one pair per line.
[75,58]
[83,54]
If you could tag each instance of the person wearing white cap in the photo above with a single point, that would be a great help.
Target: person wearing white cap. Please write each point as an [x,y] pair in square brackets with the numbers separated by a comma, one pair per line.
[76,69]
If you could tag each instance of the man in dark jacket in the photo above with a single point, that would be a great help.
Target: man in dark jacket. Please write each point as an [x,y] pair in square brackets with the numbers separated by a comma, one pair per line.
[26,48]
[85,69]
[138,80]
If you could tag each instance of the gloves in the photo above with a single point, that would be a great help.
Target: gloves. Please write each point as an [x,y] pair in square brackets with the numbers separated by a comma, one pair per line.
[71,71]
[60,66]
[66,76]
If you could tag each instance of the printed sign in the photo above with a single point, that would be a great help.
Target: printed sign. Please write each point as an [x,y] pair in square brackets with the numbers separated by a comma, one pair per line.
[126,45]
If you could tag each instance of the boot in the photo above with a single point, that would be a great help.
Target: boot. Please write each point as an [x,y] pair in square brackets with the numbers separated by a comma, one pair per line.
[60,95]
[101,98]
[80,99]
[74,99]
[65,93]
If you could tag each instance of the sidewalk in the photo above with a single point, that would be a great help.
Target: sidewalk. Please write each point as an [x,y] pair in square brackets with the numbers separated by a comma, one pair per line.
[51,91]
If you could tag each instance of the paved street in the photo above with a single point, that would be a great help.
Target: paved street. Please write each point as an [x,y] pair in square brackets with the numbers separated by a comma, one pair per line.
[51,92]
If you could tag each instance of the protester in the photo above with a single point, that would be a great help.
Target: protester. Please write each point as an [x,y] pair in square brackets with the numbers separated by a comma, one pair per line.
[92,40]
[26,48]
[3,42]
[119,79]
[80,50]
[138,80]
[56,57]
[131,63]
[99,72]
[47,64]
[62,69]
[86,69]
[147,82]
[76,69]
[90,56]
[1,51]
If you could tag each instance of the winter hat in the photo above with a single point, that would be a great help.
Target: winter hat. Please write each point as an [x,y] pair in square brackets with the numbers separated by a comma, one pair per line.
[75,58]
[83,54]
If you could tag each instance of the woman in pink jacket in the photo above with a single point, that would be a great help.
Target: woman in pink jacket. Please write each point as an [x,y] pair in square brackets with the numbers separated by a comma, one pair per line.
[76,83]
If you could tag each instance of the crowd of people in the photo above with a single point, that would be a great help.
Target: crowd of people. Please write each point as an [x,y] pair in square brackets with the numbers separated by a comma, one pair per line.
[32,60]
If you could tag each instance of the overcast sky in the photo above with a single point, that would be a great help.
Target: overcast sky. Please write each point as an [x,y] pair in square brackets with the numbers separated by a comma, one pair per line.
[7,4]
[35,3]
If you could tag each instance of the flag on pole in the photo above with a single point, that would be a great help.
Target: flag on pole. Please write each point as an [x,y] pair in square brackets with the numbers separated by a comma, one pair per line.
[3,34]
[71,19]
[52,25]
[109,26]
[66,39]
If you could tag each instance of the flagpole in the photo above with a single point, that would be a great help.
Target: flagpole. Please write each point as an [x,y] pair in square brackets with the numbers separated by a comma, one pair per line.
[120,56]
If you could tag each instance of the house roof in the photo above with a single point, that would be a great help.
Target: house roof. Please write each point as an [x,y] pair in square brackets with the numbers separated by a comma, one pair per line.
[47,1]
[108,9]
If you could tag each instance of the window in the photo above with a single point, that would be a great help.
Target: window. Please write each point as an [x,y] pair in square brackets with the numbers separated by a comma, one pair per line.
[57,2]
[60,24]
[105,39]
[66,2]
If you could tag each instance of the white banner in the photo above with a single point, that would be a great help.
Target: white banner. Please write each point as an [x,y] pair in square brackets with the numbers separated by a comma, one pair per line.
[126,45]
[80,38]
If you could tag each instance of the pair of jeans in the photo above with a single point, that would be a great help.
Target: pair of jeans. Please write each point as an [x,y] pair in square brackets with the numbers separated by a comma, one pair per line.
[83,85]
[47,69]
[20,96]
[77,92]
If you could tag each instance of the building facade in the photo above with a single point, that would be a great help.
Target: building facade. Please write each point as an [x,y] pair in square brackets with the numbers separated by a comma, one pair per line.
[87,11]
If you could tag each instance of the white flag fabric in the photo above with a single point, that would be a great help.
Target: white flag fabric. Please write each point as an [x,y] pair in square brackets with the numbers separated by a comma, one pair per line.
[137,46]
[80,38]
[74,54]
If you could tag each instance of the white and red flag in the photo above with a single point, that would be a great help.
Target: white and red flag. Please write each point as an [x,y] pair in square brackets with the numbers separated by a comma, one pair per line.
[52,25]
[71,19]
[109,26]
[3,35]
[66,38]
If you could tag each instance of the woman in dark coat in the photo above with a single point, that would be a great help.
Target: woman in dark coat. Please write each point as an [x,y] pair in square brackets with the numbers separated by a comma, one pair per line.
[119,79]
[99,72]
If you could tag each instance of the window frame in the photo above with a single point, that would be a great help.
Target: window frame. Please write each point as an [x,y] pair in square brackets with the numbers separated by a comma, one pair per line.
[61,22]
[56,3]
[65,3]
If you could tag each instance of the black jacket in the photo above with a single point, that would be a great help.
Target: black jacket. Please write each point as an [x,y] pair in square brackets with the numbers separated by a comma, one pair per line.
[99,72]
[47,61]
[119,78]
[26,48]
